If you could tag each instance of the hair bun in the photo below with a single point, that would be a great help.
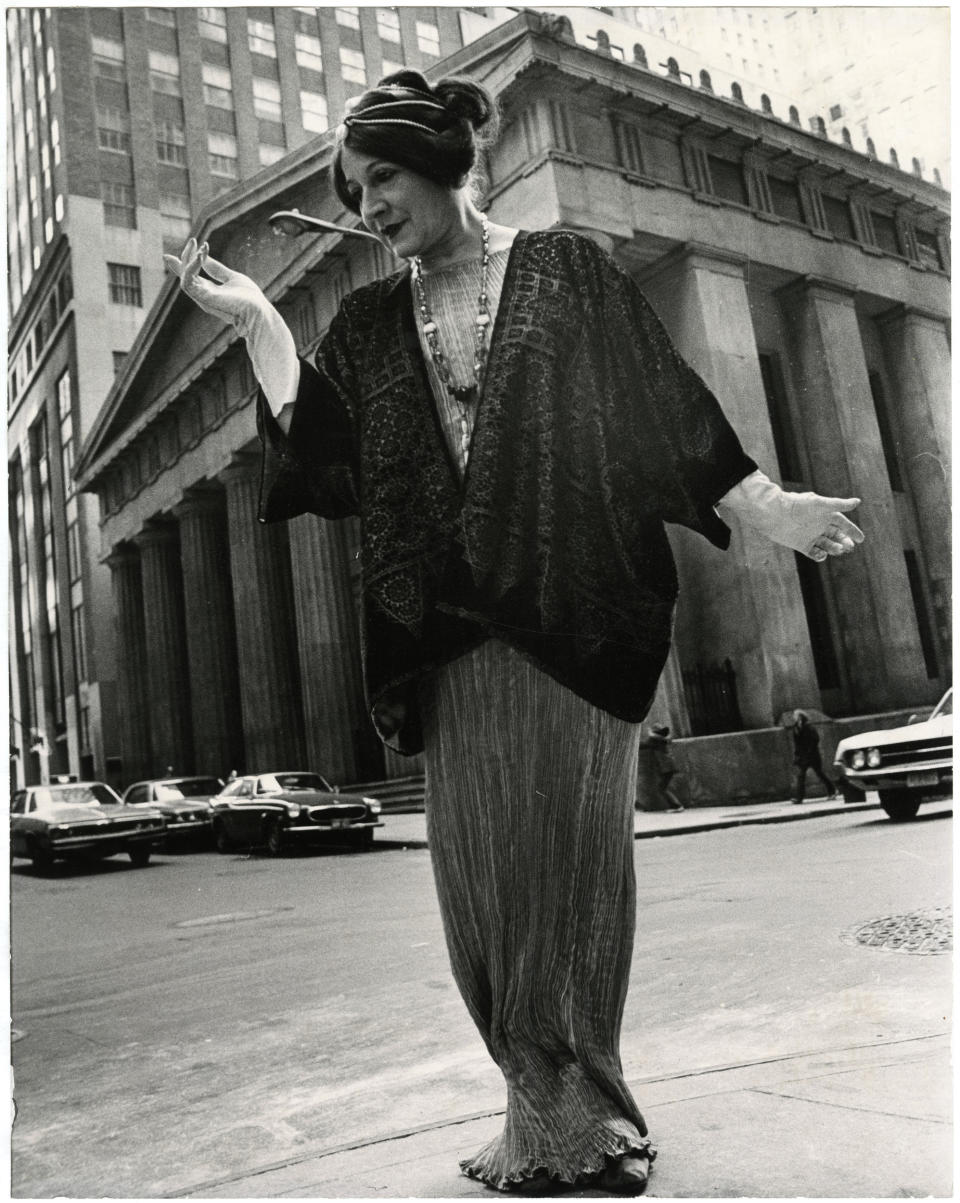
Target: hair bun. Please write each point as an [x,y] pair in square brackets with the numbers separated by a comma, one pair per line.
[406,79]
[466,99]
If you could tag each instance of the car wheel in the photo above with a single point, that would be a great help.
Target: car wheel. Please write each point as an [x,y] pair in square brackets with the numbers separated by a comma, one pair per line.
[139,857]
[41,859]
[900,804]
[273,838]
[362,840]
[221,841]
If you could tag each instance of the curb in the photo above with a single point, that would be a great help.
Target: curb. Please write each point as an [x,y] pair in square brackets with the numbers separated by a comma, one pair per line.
[794,815]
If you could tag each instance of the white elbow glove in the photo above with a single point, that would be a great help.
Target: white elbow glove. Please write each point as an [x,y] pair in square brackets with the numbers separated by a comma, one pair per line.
[237,300]
[814,525]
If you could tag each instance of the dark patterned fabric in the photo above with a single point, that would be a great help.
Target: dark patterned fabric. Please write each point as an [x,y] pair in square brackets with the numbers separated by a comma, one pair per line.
[591,433]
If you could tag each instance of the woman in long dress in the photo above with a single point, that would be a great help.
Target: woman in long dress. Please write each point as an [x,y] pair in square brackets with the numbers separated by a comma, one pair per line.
[513,426]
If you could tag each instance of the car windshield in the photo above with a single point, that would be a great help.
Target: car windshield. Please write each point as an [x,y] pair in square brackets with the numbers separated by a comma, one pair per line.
[945,705]
[76,795]
[291,781]
[190,787]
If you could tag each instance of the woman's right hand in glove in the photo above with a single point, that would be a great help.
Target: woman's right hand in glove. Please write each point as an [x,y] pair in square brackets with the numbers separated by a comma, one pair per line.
[229,295]
[235,299]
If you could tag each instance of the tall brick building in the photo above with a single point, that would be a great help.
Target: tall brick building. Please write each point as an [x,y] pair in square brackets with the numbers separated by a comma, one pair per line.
[123,123]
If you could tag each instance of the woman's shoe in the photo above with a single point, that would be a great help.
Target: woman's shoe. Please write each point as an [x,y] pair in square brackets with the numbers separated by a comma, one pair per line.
[627,1175]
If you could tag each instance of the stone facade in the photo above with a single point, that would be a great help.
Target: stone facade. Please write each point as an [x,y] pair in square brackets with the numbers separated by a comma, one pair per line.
[765,250]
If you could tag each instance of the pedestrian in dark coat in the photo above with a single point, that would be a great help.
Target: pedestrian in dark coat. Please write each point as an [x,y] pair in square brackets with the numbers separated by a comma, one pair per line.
[806,756]
[664,767]
[512,424]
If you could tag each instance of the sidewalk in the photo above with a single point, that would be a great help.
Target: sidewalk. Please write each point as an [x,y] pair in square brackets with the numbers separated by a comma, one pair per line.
[858,1122]
[410,830]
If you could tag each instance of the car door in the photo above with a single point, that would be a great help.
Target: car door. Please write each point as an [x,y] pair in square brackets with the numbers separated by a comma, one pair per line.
[18,840]
[243,813]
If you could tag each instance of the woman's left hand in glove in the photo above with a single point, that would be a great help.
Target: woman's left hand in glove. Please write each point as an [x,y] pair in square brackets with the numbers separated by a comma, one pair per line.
[806,522]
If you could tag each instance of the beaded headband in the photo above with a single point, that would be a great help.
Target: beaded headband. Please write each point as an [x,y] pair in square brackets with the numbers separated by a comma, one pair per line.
[362,117]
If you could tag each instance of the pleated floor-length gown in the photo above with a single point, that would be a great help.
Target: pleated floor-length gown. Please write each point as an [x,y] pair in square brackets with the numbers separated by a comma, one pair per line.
[529,803]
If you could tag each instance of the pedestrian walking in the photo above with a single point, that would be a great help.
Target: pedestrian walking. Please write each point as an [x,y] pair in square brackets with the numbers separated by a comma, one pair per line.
[513,426]
[806,756]
[664,767]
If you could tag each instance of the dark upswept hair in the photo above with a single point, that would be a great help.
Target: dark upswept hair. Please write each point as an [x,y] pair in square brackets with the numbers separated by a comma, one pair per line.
[445,152]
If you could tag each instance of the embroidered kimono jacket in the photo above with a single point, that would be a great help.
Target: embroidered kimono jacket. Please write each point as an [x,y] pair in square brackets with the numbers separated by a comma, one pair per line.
[591,432]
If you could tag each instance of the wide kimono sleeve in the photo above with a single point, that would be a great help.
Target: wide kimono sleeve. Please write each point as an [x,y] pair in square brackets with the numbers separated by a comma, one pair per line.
[314,467]
[677,431]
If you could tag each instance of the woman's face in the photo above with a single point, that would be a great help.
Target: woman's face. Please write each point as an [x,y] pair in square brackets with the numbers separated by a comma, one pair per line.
[410,214]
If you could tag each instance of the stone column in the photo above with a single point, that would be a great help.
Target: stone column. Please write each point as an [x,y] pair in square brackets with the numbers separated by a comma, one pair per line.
[210,632]
[744,603]
[131,657]
[918,360]
[165,664]
[270,699]
[883,657]
[340,739]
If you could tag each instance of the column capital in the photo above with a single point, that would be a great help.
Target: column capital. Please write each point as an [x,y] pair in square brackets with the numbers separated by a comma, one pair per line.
[122,556]
[913,313]
[243,466]
[204,498]
[155,534]
[697,255]
[819,288]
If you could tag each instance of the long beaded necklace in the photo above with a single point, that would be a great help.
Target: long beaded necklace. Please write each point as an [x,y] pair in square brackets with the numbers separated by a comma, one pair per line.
[465,395]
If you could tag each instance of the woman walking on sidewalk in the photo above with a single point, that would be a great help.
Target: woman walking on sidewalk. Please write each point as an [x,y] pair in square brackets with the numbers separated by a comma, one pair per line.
[513,425]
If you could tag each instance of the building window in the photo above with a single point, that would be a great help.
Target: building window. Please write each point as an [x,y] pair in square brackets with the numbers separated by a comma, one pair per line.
[388,25]
[266,99]
[222,155]
[175,219]
[125,284]
[212,24]
[109,58]
[270,154]
[352,65]
[217,86]
[171,144]
[80,649]
[313,108]
[58,207]
[162,16]
[785,198]
[164,73]
[428,38]
[924,628]
[119,205]
[887,440]
[390,67]
[885,233]
[839,221]
[349,17]
[113,130]
[928,249]
[309,51]
[262,38]
[118,360]
[727,179]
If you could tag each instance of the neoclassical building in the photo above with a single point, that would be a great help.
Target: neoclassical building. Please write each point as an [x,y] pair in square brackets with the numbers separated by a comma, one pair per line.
[806,282]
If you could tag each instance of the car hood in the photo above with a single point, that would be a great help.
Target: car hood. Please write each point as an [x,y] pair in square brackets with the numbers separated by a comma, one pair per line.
[932,728]
[319,798]
[177,806]
[70,812]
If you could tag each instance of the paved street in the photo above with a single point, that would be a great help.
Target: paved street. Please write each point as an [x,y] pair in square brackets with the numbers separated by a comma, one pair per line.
[187,1024]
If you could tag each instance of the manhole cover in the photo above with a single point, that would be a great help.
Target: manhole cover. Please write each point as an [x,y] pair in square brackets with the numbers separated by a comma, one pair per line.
[925,933]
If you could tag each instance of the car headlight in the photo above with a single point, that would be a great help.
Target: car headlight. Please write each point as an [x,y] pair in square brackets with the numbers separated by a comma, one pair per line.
[873,757]
[294,810]
[373,805]
[858,760]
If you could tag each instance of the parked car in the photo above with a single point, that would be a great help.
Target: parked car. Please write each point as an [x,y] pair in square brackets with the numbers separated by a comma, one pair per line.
[905,765]
[185,801]
[276,810]
[80,819]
